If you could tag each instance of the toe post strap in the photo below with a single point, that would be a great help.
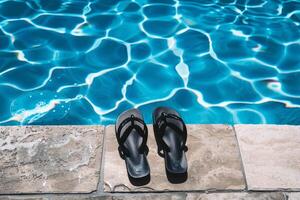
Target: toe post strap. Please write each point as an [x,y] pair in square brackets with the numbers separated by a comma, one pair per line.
[164,121]
[129,124]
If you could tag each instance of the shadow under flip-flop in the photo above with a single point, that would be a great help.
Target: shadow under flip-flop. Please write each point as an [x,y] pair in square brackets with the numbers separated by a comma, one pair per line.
[139,181]
[177,178]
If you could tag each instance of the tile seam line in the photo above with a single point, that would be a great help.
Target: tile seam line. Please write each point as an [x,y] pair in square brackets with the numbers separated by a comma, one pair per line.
[241,157]
[100,186]
[286,196]
[142,193]
[49,197]
[127,192]
[156,192]
[193,192]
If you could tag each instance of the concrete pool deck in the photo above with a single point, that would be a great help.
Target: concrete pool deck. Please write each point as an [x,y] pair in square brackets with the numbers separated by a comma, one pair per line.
[82,162]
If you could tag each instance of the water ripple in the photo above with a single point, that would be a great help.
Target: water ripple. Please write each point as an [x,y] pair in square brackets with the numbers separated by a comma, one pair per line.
[85,61]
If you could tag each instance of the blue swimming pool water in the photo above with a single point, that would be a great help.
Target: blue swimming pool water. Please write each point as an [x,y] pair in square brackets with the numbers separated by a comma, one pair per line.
[84,62]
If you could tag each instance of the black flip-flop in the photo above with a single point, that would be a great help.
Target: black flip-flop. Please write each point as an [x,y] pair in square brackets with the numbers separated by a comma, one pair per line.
[132,134]
[171,135]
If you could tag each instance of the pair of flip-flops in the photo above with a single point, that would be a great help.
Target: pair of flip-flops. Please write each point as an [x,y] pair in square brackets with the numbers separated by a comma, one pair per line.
[170,135]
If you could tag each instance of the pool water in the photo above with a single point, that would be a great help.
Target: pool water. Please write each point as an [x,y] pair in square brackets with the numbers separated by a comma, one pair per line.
[84,62]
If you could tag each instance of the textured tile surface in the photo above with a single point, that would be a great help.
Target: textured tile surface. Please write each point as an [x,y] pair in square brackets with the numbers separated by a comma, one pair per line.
[162,196]
[202,196]
[236,196]
[293,195]
[271,156]
[22,197]
[46,159]
[213,159]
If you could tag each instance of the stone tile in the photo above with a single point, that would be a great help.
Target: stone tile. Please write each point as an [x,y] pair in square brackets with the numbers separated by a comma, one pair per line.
[50,159]
[82,197]
[271,156]
[158,196]
[22,198]
[213,159]
[203,196]
[236,196]
[293,195]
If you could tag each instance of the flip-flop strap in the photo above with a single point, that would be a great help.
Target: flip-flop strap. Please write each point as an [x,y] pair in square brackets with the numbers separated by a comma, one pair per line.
[162,123]
[141,130]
